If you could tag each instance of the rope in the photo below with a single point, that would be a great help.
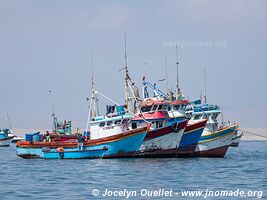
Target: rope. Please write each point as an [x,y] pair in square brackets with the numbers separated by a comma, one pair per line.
[254,133]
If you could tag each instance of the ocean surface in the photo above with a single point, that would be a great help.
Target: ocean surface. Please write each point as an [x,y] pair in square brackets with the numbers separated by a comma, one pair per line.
[244,168]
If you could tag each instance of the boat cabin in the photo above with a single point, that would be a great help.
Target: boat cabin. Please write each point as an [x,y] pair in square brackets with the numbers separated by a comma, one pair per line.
[4,133]
[112,124]
[177,109]
[154,111]
[210,112]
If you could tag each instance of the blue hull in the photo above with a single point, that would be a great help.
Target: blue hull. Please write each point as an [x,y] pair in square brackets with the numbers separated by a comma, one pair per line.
[74,154]
[190,140]
[121,146]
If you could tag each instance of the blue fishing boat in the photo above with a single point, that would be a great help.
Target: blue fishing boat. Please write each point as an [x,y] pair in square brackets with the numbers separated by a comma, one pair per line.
[109,136]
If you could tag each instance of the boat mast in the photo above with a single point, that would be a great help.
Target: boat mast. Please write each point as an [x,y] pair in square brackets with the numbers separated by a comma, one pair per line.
[94,111]
[126,73]
[93,107]
[205,87]
[177,74]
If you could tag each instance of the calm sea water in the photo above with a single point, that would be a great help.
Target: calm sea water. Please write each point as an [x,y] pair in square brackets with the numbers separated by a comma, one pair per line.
[243,168]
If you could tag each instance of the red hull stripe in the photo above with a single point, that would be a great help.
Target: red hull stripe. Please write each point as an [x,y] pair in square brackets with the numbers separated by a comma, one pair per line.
[159,132]
[196,125]
[55,144]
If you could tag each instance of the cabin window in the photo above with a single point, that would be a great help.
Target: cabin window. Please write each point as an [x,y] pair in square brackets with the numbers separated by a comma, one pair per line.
[117,122]
[160,107]
[134,125]
[176,107]
[146,108]
[159,124]
[124,121]
[164,107]
[109,123]
[154,107]
[102,124]
[197,117]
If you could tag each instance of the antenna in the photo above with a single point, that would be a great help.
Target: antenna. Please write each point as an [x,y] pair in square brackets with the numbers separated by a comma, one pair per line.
[205,87]
[177,74]
[92,65]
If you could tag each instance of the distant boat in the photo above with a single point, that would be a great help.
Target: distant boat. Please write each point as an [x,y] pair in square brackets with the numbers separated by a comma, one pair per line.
[6,134]
[6,137]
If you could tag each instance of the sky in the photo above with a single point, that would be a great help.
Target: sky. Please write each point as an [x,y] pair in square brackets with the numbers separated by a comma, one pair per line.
[46,45]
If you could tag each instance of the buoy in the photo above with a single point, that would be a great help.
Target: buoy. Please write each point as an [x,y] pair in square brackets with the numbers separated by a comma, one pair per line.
[149,102]
[60,149]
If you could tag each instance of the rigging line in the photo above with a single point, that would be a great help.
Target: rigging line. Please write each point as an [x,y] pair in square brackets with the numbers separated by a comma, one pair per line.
[8,119]
[177,74]
[252,133]
[97,92]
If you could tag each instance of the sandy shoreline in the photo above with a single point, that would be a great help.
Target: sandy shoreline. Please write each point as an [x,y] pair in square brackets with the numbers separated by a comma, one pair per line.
[248,133]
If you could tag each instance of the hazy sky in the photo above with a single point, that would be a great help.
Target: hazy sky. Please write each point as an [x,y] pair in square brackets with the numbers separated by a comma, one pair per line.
[46,45]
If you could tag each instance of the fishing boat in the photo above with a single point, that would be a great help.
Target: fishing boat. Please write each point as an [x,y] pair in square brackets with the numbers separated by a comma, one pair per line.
[164,137]
[215,139]
[108,136]
[6,133]
[6,137]
[177,114]
[33,144]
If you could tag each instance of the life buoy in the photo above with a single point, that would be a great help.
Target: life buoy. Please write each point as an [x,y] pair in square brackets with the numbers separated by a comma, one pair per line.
[60,149]
[149,102]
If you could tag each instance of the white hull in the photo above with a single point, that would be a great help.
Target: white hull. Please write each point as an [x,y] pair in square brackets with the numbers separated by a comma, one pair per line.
[165,142]
[5,142]
[215,143]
